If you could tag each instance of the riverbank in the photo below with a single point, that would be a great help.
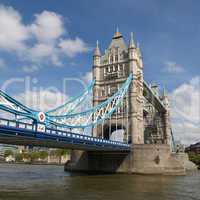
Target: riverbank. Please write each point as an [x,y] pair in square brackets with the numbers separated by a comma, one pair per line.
[195,158]
[29,163]
[55,157]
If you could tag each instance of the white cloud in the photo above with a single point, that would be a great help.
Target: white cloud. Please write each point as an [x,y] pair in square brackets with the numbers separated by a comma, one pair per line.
[13,33]
[40,51]
[72,47]
[42,100]
[87,77]
[42,41]
[55,60]
[2,64]
[30,68]
[173,67]
[47,26]
[185,102]
[45,53]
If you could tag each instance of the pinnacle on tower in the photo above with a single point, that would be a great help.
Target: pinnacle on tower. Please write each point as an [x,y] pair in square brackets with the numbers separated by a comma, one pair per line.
[165,98]
[131,42]
[117,34]
[165,94]
[138,49]
[138,45]
[97,50]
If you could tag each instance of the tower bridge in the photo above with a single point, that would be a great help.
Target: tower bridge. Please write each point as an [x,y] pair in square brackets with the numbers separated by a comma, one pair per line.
[129,120]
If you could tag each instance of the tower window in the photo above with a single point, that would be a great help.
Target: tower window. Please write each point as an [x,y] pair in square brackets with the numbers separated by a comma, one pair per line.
[116,58]
[114,68]
[111,59]
[113,89]
[120,67]
[103,93]
[108,89]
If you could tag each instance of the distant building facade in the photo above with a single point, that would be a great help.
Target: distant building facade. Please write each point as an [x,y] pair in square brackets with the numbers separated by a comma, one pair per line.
[4,147]
[194,148]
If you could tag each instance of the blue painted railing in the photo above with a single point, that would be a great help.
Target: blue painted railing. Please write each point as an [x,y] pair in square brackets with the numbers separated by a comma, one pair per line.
[26,129]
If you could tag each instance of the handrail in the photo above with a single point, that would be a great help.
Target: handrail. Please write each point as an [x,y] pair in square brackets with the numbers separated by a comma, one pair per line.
[64,133]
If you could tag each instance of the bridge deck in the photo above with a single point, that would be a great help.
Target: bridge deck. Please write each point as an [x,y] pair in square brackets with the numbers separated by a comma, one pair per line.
[17,133]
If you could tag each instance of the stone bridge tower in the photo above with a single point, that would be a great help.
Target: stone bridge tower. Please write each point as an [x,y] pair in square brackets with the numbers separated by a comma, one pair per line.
[147,125]
[110,71]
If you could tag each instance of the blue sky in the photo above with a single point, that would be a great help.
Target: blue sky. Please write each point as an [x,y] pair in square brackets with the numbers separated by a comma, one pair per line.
[168,33]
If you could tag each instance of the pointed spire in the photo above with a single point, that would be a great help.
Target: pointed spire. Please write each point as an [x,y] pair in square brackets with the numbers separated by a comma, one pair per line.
[138,49]
[117,34]
[131,42]
[97,50]
[164,92]
[165,98]
[117,29]
[138,45]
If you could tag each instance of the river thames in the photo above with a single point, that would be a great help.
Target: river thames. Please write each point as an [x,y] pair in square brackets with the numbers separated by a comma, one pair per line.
[28,182]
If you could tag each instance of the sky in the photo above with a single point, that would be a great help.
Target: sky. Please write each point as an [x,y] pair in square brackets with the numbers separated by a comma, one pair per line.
[45,42]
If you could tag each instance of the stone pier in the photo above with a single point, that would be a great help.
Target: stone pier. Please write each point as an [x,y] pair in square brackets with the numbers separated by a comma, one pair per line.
[143,159]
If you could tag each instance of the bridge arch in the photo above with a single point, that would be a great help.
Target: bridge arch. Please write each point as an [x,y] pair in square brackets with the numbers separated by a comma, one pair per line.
[109,131]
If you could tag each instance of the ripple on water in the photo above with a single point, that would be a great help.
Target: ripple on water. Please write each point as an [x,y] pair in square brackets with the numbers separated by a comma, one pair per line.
[51,182]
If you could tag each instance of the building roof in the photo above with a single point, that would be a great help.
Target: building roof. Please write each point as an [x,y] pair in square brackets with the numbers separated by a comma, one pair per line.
[118,41]
[197,145]
[97,50]
[117,34]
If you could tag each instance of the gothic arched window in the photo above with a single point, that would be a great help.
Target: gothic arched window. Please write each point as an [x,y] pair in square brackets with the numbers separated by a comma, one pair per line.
[116,58]
[111,58]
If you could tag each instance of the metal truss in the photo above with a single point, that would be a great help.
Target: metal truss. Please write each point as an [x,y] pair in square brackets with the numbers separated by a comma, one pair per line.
[74,104]
[10,105]
[93,116]
[68,115]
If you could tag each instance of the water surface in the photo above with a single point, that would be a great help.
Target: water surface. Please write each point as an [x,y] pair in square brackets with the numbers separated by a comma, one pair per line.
[28,182]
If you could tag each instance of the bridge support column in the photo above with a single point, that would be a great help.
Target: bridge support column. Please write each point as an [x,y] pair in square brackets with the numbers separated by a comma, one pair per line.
[156,159]
[99,162]
[142,159]
[136,99]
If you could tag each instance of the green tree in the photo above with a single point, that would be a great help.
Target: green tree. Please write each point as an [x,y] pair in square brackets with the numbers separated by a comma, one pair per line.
[8,152]
[18,157]
[43,154]
[195,158]
[34,156]
[26,155]
[59,153]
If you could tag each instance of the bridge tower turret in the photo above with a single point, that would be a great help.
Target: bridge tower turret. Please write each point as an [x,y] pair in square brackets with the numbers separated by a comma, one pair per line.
[97,55]
[167,118]
[136,93]
[110,71]
[96,62]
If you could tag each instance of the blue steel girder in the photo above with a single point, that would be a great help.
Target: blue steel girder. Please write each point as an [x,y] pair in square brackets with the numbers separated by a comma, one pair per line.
[88,118]
[14,132]
[13,106]
[94,116]
[72,104]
